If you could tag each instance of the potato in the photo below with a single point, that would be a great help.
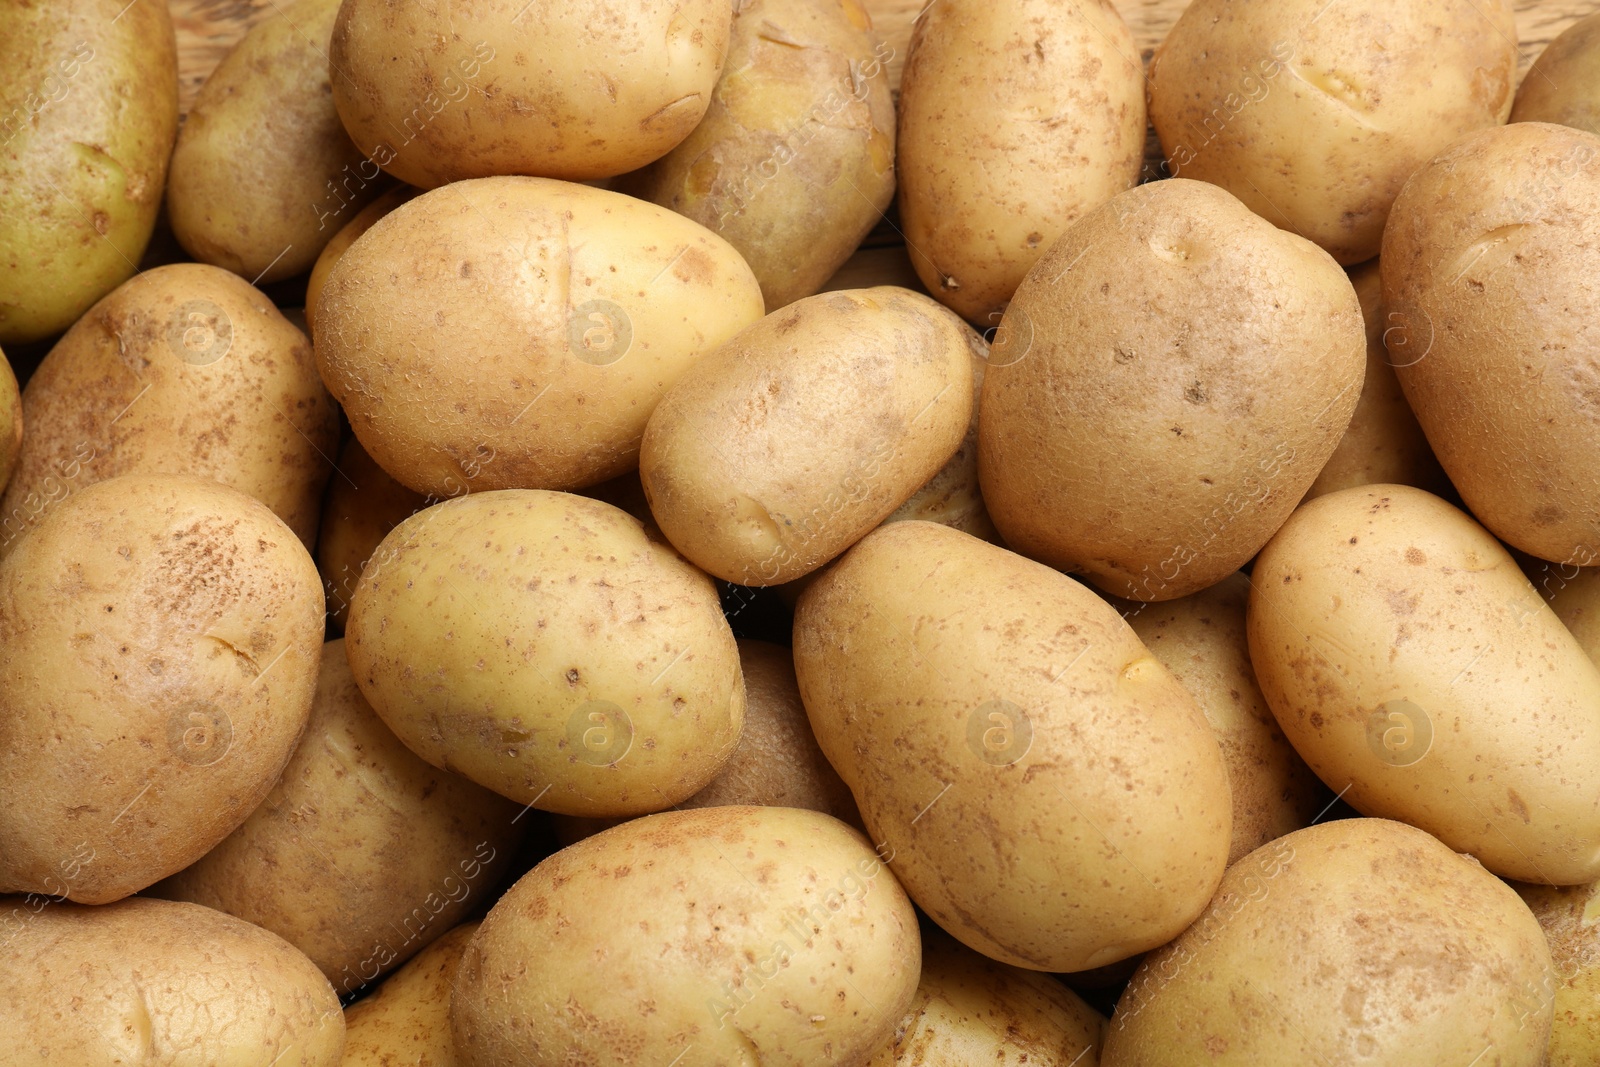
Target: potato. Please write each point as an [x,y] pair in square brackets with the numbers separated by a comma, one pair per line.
[952,497]
[1422,677]
[794,161]
[1575,598]
[751,935]
[1355,941]
[362,854]
[1563,85]
[340,242]
[867,267]
[1201,640]
[159,637]
[1002,731]
[541,645]
[10,420]
[407,1020]
[1197,367]
[185,369]
[1567,916]
[264,172]
[1016,119]
[738,477]
[1488,262]
[153,981]
[363,505]
[1314,114]
[973,1010]
[88,115]
[437,93]
[532,365]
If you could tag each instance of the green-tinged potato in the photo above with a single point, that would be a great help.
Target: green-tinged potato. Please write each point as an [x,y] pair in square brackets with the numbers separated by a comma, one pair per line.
[407,1020]
[1315,114]
[562,89]
[1355,941]
[531,364]
[794,160]
[1051,794]
[1424,679]
[1563,85]
[340,242]
[362,854]
[754,935]
[1489,270]
[1575,598]
[159,982]
[88,114]
[264,172]
[541,645]
[739,477]
[1017,117]
[363,505]
[1570,918]
[185,369]
[10,420]
[1163,390]
[159,638]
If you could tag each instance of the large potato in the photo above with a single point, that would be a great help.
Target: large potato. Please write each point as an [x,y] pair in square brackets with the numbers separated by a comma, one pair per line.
[575,89]
[532,364]
[746,935]
[1489,262]
[363,505]
[88,114]
[738,476]
[340,242]
[1164,388]
[407,1020]
[1421,676]
[1016,118]
[159,638]
[1563,85]
[1356,941]
[1051,794]
[541,645]
[1315,113]
[1568,915]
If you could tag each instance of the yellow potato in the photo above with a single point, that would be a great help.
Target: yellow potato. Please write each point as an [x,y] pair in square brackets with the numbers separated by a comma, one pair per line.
[341,241]
[1570,918]
[363,505]
[407,1020]
[1575,598]
[10,421]
[1563,85]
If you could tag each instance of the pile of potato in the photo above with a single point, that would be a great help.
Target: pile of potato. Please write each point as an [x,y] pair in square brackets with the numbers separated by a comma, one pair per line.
[491,576]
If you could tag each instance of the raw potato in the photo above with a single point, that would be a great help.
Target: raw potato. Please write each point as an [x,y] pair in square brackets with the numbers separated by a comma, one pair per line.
[153,981]
[88,114]
[363,505]
[185,369]
[868,267]
[739,477]
[1003,732]
[569,89]
[1417,671]
[953,497]
[1568,915]
[159,638]
[794,160]
[264,173]
[407,1020]
[362,854]
[1563,86]
[1163,390]
[526,365]
[1575,598]
[1355,941]
[1314,114]
[541,645]
[340,242]
[1017,117]
[1489,262]
[10,422]
[755,935]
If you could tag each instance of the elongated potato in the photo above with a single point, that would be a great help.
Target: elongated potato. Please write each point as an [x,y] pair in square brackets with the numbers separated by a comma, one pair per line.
[407,1020]
[363,505]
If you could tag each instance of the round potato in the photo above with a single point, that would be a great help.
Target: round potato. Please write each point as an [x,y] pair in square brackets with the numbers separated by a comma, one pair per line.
[437,93]
[541,645]
[1575,598]
[738,477]
[1016,118]
[527,365]
[363,505]
[407,1020]
[1314,114]
[1567,914]
[1356,941]
[340,242]
[1563,85]
[755,935]
[1163,390]
[1489,265]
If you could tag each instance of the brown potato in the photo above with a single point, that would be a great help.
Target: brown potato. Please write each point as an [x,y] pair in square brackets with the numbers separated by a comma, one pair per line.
[1574,595]
[10,420]
[406,1022]
[1563,85]
[363,505]
[1567,916]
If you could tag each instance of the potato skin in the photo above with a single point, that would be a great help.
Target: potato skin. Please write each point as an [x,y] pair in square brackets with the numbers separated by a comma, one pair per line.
[1413,666]
[1198,366]
[1566,914]
[1016,118]
[204,619]
[1292,106]
[767,935]
[1488,261]
[532,365]
[1379,943]
[1563,85]
[156,981]
[919,639]
[341,241]
[88,116]
[10,421]
[363,505]
[1575,598]
[406,1022]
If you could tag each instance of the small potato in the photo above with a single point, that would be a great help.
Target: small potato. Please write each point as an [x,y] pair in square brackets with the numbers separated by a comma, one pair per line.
[340,242]
[1563,85]
[541,645]
[407,1021]
[363,505]
[1567,915]
[739,477]
[755,935]
[1575,598]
